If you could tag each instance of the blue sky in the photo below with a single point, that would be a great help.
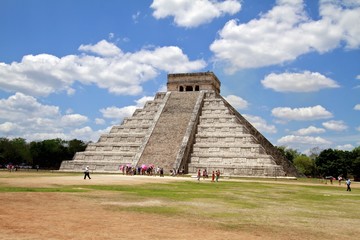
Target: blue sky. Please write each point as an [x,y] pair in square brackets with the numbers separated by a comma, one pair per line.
[72,69]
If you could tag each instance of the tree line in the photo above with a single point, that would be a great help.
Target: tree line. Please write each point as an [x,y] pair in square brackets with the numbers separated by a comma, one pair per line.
[46,154]
[325,163]
[50,153]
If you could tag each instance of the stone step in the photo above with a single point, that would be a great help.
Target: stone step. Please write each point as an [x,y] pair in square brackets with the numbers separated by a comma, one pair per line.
[137,121]
[217,120]
[124,134]
[224,137]
[222,165]
[215,112]
[236,170]
[226,145]
[240,156]
[115,139]
[141,117]
[134,125]
[216,116]
[122,147]
[130,129]
[234,149]
[140,112]
[105,156]
[211,131]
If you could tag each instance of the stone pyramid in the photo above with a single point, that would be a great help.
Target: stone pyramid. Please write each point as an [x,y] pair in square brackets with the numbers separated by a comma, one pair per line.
[189,127]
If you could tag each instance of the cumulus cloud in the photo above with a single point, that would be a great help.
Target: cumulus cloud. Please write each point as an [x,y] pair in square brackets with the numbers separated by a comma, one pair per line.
[286,32]
[99,121]
[102,48]
[346,147]
[8,127]
[298,82]
[301,114]
[23,116]
[118,114]
[260,124]
[292,140]
[237,102]
[192,13]
[73,119]
[87,133]
[357,107]
[309,130]
[335,125]
[110,68]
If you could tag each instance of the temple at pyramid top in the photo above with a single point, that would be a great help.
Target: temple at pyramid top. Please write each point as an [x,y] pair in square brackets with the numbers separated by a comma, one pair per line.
[188,82]
[190,127]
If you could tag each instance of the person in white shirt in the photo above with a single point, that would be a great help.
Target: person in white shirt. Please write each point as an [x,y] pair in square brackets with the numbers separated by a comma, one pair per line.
[87,172]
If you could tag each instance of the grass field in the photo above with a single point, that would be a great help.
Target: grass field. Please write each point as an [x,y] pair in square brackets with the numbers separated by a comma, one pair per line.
[182,208]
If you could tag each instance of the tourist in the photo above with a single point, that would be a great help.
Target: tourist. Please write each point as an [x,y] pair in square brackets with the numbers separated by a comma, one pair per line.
[87,172]
[198,175]
[205,175]
[340,179]
[348,183]
[213,176]
[217,175]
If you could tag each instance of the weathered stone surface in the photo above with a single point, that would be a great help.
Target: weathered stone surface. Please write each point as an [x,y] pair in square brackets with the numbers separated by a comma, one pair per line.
[192,127]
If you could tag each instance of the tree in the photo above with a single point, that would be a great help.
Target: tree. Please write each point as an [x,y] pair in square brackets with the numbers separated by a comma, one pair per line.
[15,151]
[334,163]
[289,153]
[49,153]
[75,146]
[304,164]
[355,171]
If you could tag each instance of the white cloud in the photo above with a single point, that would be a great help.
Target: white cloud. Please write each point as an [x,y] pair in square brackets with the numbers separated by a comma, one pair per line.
[335,125]
[309,130]
[260,124]
[286,32]
[358,128]
[192,13]
[99,121]
[23,116]
[8,127]
[118,113]
[347,147]
[21,106]
[87,133]
[136,16]
[357,107]
[102,48]
[141,102]
[73,120]
[237,102]
[292,140]
[162,88]
[301,114]
[298,82]
[120,73]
